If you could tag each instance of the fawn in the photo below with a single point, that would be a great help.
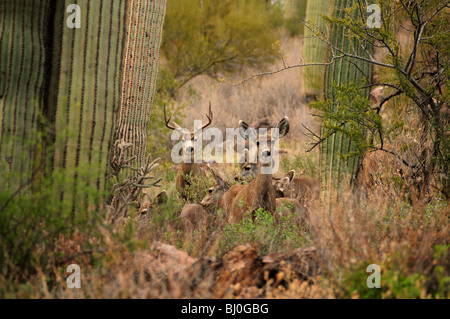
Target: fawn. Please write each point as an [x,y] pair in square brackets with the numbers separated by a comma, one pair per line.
[305,189]
[188,166]
[216,191]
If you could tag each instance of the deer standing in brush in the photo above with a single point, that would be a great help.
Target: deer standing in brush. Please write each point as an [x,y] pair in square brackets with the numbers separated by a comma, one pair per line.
[188,169]
[259,192]
[305,189]
[216,196]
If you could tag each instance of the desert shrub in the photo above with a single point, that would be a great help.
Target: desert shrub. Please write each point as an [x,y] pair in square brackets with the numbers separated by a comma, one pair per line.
[216,37]
[267,236]
[31,223]
[408,242]
[197,187]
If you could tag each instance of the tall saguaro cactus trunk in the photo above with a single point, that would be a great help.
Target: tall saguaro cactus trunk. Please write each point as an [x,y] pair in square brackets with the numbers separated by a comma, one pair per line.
[141,68]
[68,83]
[85,90]
[22,76]
[333,168]
[314,50]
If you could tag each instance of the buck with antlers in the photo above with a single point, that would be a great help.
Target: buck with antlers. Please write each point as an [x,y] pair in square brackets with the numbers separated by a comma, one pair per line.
[188,169]
[259,192]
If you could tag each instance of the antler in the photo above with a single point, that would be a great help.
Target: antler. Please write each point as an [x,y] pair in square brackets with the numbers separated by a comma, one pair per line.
[168,120]
[209,116]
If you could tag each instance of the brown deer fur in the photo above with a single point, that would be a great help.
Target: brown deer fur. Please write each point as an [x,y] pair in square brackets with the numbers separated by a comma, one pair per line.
[194,217]
[188,166]
[305,189]
[259,192]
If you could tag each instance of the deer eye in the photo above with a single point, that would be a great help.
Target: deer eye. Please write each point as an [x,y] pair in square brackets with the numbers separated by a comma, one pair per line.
[247,168]
[210,191]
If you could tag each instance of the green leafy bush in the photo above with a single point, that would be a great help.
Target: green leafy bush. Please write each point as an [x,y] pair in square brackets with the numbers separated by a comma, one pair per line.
[267,236]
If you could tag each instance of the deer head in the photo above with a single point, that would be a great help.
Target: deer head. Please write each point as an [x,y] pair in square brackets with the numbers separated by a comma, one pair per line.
[248,170]
[215,192]
[282,186]
[188,138]
[265,142]
[148,203]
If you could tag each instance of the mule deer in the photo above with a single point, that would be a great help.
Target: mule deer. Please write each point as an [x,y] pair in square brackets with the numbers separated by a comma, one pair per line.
[305,189]
[188,166]
[259,192]
[216,191]
[248,170]
[146,204]
[194,217]
[218,195]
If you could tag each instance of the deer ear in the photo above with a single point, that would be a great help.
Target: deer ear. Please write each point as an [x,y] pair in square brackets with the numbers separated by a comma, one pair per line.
[218,177]
[283,127]
[284,183]
[290,175]
[246,130]
[161,198]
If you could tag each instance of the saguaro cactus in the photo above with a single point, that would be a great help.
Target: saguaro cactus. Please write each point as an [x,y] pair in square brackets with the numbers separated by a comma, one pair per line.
[73,80]
[141,67]
[22,54]
[333,169]
[314,50]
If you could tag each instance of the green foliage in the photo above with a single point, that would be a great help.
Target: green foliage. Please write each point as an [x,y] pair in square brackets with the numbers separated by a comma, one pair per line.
[398,281]
[267,236]
[306,163]
[292,21]
[197,188]
[218,37]
[354,119]
[30,224]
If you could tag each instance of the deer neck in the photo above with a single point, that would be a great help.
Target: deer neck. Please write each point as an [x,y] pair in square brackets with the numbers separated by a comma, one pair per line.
[263,181]
[186,168]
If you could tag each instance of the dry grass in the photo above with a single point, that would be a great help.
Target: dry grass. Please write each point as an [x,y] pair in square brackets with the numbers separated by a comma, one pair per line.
[408,239]
[271,97]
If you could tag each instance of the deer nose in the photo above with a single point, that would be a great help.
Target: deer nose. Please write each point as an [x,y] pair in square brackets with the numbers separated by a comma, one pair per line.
[266,153]
[190,149]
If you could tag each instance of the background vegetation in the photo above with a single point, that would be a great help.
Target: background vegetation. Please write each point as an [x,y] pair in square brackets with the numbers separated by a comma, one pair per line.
[397,217]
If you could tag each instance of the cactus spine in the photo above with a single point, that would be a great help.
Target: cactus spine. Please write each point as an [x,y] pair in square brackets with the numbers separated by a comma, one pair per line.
[333,169]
